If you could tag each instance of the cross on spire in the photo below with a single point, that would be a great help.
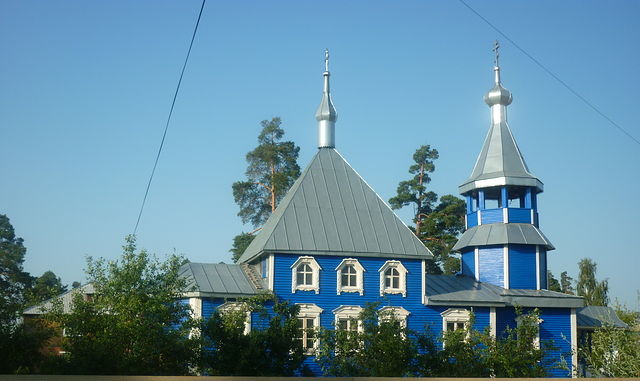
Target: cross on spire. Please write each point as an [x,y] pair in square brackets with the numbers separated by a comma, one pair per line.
[496,46]
[326,60]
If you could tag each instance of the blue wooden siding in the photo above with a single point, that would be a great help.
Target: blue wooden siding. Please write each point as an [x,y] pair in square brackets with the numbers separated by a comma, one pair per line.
[519,215]
[556,326]
[472,219]
[522,266]
[491,265]
[209,305]
[555,329]
[543,268]
[492,216]
[468,263]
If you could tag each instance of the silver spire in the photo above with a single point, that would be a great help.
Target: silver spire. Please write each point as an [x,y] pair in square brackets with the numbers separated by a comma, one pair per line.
[500,162]
[326,114]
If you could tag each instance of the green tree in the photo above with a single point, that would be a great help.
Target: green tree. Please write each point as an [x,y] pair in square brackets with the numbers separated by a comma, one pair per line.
[438,226]
[45,287]
[552,282]
[413,192]
[383,347]
[271,351]
[614,352]
[595,292]
[440,231]
[14,281]
[135,323]
[240,244]
[20,344]
[272,169]
[566,283]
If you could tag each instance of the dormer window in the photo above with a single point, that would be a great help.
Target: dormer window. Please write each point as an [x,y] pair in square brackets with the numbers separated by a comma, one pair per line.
[393,278]
[305,275]
[350,274]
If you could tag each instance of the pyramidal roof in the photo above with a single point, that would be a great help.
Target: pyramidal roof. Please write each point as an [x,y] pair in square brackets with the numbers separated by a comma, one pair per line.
[500,162]
[331,210]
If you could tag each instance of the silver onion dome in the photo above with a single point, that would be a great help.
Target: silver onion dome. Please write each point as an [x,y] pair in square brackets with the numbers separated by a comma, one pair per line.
[326,115]
[498,95]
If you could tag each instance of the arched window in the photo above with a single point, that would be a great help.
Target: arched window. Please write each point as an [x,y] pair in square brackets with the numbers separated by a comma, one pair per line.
[350,274]
[305,275]
[308,325]
[393,278]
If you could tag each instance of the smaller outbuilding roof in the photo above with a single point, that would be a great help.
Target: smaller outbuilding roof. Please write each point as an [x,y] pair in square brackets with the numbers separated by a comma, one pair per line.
[598,316]
[66,298]
[217,280]
[460,290]
[500,234]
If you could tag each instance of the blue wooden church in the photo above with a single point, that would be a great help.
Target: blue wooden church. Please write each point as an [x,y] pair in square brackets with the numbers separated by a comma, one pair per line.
[333,245]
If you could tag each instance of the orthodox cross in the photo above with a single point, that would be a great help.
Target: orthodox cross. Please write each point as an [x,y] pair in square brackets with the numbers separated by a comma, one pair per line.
[496,46]
[326,60]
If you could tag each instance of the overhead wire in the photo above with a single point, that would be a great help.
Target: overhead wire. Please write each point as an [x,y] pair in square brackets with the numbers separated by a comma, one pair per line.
[554,76]
[166,127]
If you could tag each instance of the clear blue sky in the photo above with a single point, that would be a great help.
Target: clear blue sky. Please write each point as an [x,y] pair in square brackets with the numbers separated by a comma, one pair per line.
[85,88]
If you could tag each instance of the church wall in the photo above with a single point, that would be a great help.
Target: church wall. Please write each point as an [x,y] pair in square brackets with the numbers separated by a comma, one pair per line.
[522,267]
[469,263]
[490,264]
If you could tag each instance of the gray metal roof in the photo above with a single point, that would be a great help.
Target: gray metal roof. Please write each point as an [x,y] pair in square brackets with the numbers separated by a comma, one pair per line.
[500,163]
[499,234]
[66,298]
[331,210]
[598,316]
[216,280]
[459,290]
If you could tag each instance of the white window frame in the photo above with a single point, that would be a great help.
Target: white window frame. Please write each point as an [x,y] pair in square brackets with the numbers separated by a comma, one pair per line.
[359,287]
[403,278]
[349,313]
[309,311]
[536,340]
[456,316]
[400,313]
[237,306]
[315,275]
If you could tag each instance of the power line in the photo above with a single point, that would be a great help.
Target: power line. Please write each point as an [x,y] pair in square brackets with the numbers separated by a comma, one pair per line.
[563,83]
[166,127]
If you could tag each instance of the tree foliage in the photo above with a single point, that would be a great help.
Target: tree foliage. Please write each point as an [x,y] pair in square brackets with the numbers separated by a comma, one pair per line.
[240,244]
[595,292]
[134,324]
[614,352]
[566,283]
[45,287]
[14,281]
[382,348]
[438,226]
[552,282]
[272,169]
[271,351]
[20,344]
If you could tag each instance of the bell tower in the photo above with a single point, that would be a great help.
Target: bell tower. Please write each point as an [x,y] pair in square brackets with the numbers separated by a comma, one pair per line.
[503,244]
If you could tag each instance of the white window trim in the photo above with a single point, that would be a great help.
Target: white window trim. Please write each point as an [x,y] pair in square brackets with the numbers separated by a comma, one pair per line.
[315,281]
[455,315]
[400,313]
[348,312]
[536,340]
[403,278]
[359,288]
[237,306]
[310,310]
